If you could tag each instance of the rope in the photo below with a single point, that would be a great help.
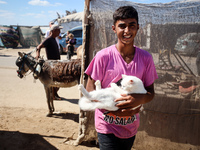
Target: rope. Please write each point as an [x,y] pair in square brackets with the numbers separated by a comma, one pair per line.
[32,51]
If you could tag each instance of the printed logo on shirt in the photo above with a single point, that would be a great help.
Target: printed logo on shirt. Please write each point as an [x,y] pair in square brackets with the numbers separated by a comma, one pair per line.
[113,119]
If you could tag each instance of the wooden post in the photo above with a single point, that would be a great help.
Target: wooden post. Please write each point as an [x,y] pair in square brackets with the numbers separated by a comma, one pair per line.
[86,130]
[85,23]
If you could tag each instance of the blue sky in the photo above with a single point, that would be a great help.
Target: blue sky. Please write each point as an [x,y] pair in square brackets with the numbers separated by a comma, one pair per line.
[40,12]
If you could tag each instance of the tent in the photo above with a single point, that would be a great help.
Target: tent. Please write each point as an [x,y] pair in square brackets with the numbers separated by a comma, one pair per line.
[29,36]
[70,21]
[172,119]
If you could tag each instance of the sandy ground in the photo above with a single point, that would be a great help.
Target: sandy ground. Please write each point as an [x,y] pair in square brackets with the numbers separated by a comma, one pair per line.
[23,109]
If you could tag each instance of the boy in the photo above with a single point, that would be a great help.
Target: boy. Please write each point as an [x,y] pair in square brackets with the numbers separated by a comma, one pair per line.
[117,130]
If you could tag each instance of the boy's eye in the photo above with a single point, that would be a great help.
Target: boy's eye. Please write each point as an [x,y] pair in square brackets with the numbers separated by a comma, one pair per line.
[122,26]
[132,26]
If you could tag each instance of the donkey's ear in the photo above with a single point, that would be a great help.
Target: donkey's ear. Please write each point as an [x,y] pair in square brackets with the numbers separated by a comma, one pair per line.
[20,54]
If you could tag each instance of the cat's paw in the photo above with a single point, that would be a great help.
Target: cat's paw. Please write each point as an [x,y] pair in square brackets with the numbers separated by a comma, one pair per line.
[97,83]
[113,84]
[80,86]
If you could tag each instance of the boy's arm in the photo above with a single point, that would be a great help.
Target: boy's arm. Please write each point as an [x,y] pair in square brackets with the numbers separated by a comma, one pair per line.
[90,86]
[132,101]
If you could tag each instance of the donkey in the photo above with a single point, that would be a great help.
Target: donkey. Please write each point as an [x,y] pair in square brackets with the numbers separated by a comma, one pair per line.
[51,73]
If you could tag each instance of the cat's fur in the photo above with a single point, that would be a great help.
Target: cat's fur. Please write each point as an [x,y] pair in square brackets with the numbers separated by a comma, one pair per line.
[104,98]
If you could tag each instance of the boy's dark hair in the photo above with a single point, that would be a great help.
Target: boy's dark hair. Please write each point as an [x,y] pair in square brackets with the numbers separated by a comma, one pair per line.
[125,12]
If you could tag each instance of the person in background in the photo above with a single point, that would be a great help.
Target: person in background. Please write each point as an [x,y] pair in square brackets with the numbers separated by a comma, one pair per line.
[67,37]
[52,51]
[67,40]
[117,130]
[48,33]
[70,46]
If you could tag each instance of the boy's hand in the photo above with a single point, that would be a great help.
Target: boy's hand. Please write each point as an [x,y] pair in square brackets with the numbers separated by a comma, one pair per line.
[128,102]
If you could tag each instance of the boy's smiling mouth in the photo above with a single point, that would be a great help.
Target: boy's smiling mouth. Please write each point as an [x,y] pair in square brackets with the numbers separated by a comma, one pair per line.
[127,36]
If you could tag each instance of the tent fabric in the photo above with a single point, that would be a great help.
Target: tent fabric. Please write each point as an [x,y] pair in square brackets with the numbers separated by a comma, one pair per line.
[177,12]
[174,114]
[70,21]
[29,36]
[77,17]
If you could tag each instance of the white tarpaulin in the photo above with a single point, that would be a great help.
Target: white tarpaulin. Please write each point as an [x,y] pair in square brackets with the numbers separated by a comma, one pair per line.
[70,21]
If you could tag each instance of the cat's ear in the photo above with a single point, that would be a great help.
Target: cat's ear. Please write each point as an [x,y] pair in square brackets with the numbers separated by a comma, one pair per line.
[123,76]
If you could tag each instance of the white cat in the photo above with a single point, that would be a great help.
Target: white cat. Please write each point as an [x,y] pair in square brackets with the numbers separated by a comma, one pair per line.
[104,98]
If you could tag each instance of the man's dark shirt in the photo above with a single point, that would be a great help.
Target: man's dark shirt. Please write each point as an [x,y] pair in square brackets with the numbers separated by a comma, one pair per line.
[52,50]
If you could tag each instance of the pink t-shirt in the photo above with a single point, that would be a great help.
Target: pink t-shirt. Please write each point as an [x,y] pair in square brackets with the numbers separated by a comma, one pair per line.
[108,66]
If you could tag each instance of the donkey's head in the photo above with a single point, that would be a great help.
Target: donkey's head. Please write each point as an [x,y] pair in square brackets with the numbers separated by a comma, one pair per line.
[25,62]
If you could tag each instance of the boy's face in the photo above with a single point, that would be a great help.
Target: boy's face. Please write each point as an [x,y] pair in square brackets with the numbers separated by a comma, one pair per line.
[126,30]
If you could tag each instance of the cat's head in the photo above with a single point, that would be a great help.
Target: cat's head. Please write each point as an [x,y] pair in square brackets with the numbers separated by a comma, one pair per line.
[131,83]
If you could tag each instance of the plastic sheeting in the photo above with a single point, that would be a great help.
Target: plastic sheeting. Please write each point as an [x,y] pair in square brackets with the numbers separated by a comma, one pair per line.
[72,17]
[71,21]
[29,36]
[171,33]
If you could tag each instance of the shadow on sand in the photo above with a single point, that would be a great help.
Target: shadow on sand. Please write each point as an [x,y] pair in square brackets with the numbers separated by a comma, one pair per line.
[66,115]
[73,101]
[6,55]
[17,141]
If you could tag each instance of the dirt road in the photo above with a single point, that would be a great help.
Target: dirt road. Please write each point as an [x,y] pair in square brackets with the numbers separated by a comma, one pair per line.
[23,109]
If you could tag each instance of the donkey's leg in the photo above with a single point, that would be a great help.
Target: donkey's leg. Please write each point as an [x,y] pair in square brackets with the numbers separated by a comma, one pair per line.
[49,97]
[55,94]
